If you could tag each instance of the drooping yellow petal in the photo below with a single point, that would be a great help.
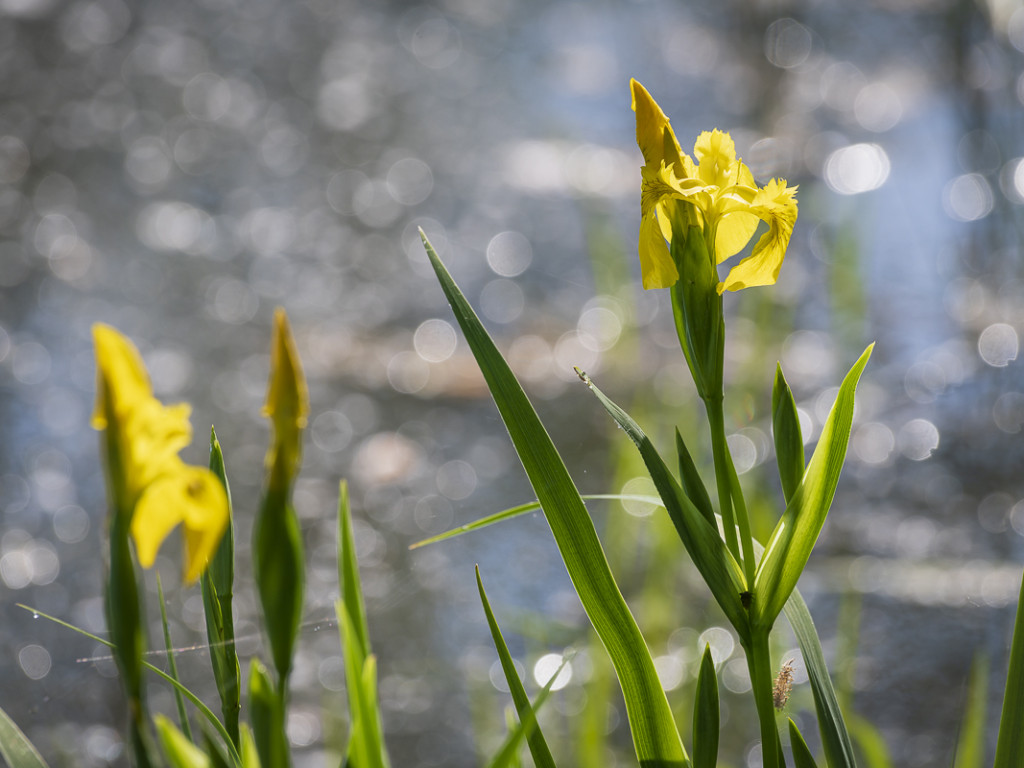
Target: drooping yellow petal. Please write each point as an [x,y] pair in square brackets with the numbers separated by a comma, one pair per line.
[287,404]
[656,266]
[732,234]
[776,205]
[192,497]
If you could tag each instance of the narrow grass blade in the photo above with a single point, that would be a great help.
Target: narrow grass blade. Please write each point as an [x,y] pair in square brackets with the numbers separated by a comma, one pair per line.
[789,441]
[706,714]
[716,564]
[507,756]
[835,737]
[791,542]
[15,747]
[970,743]
[172,663]
[267,715]
[654,732]
[218,593]
[802,757]
[538,745]
[366,737]
[1010,745]
[178,748]
[348,575]
[523,509]
[693,486]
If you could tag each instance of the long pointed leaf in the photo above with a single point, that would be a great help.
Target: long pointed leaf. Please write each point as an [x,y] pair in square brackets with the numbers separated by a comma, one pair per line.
[535,739]
[218,595]
[1010,745]
[791,542]
[706,714]
[15,747]
[655,736]
[835,737]
[694,487]
[789,441]
[703,543]
[802,756]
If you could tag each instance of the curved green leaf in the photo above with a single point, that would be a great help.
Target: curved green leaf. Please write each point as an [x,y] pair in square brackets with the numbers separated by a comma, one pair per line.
[802,756]
[794,536]
[655,736]
[706,714]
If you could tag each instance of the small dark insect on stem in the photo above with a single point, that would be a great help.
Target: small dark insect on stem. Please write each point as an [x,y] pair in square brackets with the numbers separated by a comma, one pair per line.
[746,598]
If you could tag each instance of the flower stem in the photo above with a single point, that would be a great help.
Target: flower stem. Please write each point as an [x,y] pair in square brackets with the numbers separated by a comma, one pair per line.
[761,680]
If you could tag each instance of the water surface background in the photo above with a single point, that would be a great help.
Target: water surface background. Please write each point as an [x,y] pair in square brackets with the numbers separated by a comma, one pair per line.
[179,169]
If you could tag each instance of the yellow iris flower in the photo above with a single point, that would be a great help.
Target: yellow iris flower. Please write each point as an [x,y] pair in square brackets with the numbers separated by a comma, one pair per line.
[719,194]
[154,486]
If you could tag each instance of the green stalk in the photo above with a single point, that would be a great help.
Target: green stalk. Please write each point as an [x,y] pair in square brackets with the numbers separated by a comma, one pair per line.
[762,682]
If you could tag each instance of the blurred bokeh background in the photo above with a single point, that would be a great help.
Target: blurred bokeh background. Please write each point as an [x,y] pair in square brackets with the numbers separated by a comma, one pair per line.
[178,169]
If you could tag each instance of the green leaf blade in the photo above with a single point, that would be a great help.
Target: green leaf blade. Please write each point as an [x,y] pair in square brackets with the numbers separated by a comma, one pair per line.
[706,714]
[535,739]
[835,737]
[703,543]
[789,441]
[655,736]
[790,545]
[802,757]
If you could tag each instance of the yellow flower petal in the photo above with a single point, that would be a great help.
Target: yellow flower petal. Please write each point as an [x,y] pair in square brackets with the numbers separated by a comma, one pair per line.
[776,205]
[654,135]
[120,373]
[192,497]
[716,157]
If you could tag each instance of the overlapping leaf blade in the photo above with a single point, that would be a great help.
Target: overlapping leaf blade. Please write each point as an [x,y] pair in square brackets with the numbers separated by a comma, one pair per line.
[655,736]
[791,542]
[703,543]
[789,441]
